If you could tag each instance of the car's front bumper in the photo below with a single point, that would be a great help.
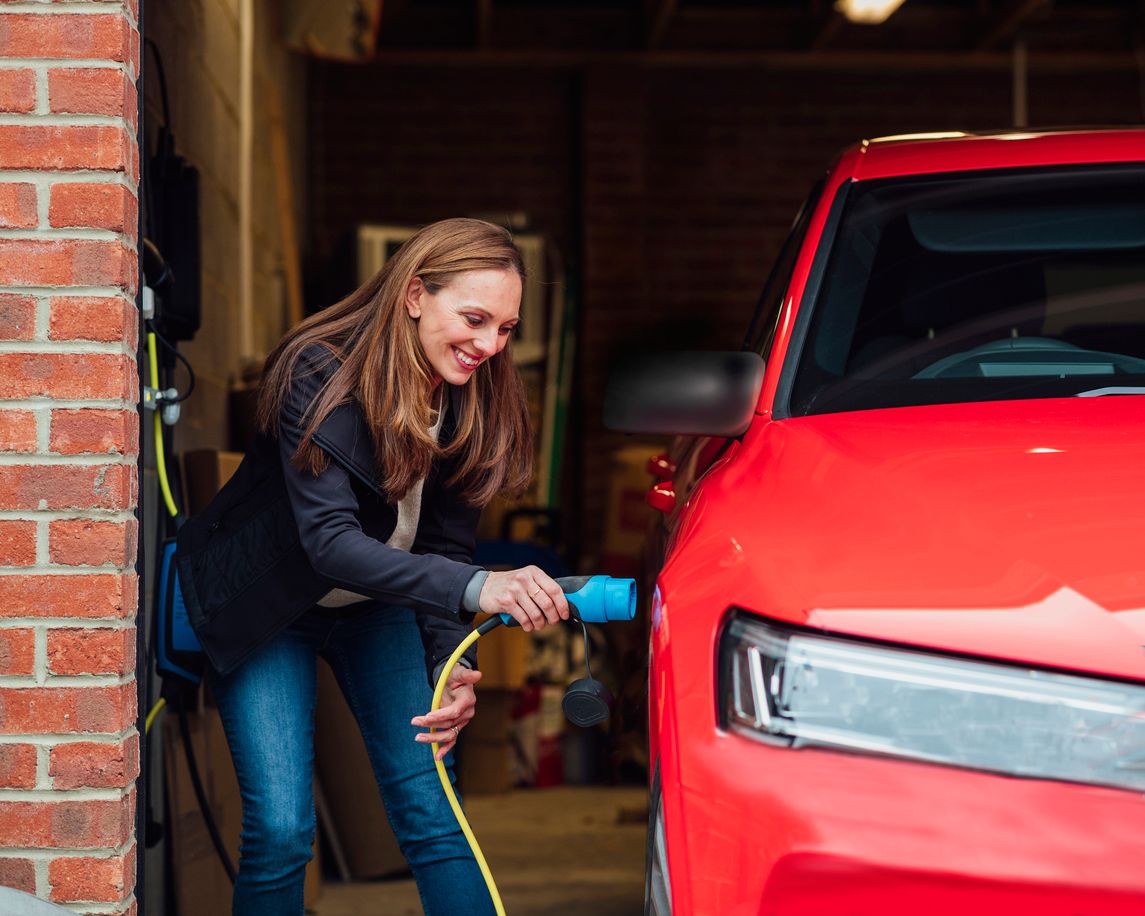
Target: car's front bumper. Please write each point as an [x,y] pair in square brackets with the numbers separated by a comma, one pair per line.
[758,829]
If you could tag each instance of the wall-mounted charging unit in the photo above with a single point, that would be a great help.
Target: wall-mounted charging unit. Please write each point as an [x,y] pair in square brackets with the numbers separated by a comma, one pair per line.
[178,653]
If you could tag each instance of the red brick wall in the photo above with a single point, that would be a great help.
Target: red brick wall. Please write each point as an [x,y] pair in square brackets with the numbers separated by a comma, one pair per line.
[673,187]
[69,750]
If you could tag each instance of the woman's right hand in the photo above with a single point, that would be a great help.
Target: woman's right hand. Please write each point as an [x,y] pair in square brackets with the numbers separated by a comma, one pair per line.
[528,595]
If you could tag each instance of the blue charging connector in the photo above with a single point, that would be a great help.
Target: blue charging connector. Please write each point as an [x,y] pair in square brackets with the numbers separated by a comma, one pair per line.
[595,599]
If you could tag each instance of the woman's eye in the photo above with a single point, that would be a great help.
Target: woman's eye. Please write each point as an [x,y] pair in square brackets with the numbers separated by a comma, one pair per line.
[506,331]
[474,321]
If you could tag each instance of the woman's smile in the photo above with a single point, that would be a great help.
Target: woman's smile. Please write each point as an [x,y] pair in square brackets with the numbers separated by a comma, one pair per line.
[467,361]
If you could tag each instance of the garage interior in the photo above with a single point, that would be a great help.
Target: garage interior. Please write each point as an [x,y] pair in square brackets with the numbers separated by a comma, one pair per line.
[649,155]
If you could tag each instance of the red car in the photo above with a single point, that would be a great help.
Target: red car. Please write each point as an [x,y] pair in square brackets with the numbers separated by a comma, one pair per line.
[898,636]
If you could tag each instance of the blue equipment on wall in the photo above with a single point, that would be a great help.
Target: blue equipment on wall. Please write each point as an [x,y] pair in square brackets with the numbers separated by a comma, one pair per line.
[178,653]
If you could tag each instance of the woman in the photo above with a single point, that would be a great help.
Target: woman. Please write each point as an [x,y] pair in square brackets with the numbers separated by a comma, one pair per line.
[386,422]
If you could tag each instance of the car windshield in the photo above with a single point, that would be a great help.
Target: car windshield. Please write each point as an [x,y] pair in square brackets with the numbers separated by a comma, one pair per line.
[980,286]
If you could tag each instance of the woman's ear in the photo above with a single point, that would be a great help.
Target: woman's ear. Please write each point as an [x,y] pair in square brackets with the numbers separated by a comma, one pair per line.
[414,291]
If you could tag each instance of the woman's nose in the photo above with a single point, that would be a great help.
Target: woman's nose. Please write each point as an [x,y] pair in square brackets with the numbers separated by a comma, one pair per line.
[486,342]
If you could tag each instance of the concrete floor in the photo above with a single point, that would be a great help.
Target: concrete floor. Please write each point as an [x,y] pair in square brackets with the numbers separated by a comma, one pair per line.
[557,852]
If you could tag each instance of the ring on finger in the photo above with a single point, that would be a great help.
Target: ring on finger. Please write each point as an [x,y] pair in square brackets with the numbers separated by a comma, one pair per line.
[537,592]
[456,732]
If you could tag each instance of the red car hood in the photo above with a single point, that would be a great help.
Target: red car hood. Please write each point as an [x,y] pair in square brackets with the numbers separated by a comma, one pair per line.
[1014,530]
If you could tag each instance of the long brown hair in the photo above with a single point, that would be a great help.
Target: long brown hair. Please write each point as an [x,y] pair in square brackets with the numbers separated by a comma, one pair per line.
[383,367]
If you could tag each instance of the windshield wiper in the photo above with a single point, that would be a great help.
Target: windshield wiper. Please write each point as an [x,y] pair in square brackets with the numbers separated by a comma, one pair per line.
[1102,392]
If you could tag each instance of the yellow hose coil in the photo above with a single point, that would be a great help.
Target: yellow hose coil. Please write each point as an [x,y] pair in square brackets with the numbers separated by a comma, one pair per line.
[448,787]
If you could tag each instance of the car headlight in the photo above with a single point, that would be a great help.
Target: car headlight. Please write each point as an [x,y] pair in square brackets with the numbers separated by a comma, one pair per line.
[782,684]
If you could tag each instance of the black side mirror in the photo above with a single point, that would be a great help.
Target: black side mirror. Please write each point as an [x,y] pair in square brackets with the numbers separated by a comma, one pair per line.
[687,394]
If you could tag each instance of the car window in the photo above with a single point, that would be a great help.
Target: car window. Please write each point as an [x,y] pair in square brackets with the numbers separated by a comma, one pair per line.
[980,286]
[761,332]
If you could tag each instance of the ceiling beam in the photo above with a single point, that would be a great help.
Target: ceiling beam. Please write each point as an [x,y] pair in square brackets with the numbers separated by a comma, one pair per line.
[484,23]
[1007,22]
[890,61]
[678,26]
[660,13]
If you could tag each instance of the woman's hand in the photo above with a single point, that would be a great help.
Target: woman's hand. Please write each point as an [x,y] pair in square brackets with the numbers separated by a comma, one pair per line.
[459,704]
[528,595]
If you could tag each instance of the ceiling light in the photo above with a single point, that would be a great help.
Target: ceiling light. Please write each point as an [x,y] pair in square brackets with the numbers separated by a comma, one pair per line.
[867,12]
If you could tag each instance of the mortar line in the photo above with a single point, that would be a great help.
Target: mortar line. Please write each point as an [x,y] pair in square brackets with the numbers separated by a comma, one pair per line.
[41,662]
[78,63]
[62,119]
[43,103]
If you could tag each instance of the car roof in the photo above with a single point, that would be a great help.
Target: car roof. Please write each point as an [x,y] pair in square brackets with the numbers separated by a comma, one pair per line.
[955,151]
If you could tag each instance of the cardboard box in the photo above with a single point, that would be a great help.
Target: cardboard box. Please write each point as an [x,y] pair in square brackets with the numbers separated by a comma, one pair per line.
[494,718]
[205,470]
[351,791]
[484,767]
[485,754]
[503,657]
[201,884]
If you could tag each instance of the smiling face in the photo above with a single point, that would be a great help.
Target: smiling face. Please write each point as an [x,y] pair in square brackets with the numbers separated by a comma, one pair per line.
[466,322]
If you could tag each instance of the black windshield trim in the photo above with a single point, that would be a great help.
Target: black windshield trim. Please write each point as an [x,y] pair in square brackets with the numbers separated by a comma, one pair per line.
[780,409]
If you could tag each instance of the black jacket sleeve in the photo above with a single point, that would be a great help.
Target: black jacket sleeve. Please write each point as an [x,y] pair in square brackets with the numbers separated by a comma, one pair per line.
[326,509]
[450,525]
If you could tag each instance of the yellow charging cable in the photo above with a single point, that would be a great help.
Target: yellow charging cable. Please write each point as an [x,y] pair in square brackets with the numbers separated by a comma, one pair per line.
[160,457]
[164,483]
[151,716]
[447,786]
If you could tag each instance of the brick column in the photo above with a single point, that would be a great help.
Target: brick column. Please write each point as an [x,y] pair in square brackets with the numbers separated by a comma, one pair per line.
[69,172]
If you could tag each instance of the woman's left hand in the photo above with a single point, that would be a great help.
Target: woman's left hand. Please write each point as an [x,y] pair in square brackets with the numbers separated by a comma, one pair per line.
[459,705]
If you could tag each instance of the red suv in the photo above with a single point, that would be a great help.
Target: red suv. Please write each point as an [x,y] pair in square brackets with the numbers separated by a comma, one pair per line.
[898,636]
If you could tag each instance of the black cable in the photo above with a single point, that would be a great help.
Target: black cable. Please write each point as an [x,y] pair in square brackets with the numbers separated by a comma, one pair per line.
[201,796]
[491,624]
[165,274]
[169,901]
[587,668]
[179,356]
[159,72]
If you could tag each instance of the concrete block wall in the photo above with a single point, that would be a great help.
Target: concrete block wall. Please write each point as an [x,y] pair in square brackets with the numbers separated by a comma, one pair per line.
[69,173]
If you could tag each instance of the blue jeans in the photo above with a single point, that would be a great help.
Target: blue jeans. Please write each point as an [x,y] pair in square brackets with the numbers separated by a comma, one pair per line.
[267,709]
